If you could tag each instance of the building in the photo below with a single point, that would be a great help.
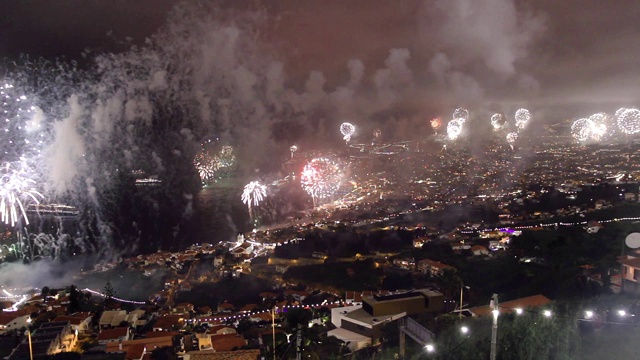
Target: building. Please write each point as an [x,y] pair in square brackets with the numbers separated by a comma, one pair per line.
[134,349]
[118,334]
[511,305]
[79,322]
[630,273]
[10,321]
[433,268]
[361,325]
[49,339]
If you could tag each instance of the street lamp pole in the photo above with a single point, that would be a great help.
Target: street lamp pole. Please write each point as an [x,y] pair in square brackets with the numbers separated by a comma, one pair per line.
[494,327]
[29,337]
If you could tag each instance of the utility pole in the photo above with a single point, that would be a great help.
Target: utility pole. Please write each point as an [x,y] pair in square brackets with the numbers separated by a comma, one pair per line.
[494,328]
[273,330]
[299,343]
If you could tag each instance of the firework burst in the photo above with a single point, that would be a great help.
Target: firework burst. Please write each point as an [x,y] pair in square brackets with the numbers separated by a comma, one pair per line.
[321,178]
[253,193]
[16,190]
[347,130]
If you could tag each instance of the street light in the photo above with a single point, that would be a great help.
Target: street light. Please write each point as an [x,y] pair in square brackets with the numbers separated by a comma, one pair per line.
[518,311]
[588,314]
[429,348]
[547,313]
[464,329]
[29,337]
[462,287]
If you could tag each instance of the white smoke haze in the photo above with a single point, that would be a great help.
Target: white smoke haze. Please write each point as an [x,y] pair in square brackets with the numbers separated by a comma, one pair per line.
[480,44]
[208,73]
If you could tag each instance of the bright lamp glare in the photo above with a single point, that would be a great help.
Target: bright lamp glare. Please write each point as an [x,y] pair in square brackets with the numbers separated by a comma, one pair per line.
[622,313]
[464,329]
[588,314]
[496,312]
[519,311]
[547,313]
[429,348]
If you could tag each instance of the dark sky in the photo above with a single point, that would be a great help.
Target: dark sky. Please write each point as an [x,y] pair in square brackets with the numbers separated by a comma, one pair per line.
[570,51]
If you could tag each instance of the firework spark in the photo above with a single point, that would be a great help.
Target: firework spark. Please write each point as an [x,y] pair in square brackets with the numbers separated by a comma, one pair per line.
[454,128]
[253,193]
[628,120]
[522,118]
[321,178]
[347,130]
[16,189]
[461,114]
[497,121]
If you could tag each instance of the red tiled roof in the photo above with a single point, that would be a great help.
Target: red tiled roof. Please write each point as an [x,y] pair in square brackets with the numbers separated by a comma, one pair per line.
[227,342]
[633,262]
[113,333]
[6,318]
[225,355]
[168,321]
[511,305]
[71,319]
[155,334]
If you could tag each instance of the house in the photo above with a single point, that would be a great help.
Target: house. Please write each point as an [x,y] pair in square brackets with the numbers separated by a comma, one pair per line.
[593,227]
[225,307]
[433,268]
[361,325]
[630,273]
[222,355]
[112,318]
[113,335]
[204,340]
[169,323]
[80,323]
[227,342]
[135,349]
[218,261]
[418,242]
[404,263]
[296,295]
[479,250]
[11,320]
[461,245]
[49,339]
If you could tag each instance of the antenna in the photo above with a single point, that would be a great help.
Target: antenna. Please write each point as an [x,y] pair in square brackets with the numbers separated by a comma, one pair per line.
[633,240]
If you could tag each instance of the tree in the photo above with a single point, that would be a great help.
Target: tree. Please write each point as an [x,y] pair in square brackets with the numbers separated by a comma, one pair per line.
[74,299]
[109,291]
[45,291]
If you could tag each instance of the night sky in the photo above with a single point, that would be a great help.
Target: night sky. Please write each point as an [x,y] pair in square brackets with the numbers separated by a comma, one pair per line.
[568,53]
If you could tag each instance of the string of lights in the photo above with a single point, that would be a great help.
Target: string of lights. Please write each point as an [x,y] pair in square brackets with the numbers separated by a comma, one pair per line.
[554,224]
